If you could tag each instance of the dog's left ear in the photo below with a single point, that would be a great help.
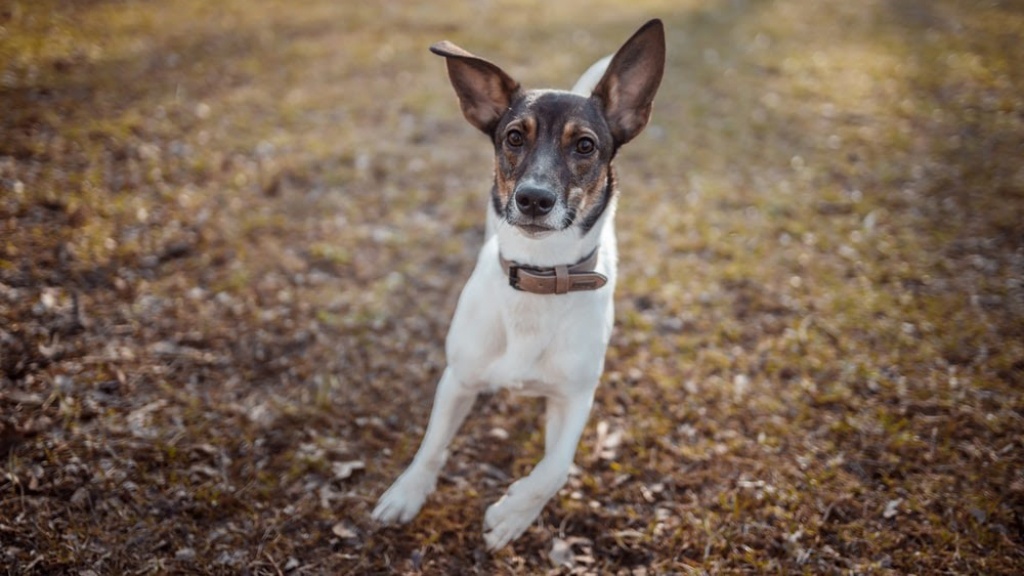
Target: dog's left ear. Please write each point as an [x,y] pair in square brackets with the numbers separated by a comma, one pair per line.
[627,89]
[484,90]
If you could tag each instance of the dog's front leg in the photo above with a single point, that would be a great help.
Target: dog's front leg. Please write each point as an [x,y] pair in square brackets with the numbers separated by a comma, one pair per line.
[403,500]
[507,518]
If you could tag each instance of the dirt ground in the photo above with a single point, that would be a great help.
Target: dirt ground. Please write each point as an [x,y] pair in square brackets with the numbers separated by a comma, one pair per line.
[232,234]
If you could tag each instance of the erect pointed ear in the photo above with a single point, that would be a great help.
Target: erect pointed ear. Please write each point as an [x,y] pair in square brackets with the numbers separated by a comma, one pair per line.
[627,89]
[484,90]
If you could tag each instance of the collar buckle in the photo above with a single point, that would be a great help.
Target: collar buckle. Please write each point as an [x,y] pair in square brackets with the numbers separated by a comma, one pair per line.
[513,276]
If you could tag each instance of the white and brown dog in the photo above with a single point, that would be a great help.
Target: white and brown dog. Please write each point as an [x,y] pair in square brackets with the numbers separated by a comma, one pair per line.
[536,314]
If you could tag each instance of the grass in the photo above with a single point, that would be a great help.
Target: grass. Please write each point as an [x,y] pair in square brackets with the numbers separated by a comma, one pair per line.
[232,235]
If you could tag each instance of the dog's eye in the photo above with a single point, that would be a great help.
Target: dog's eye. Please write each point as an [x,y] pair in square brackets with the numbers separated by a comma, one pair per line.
[585,146]
[514,138]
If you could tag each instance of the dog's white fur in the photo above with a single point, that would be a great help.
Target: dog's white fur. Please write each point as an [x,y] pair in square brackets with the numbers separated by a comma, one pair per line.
[585,85]
[544,345]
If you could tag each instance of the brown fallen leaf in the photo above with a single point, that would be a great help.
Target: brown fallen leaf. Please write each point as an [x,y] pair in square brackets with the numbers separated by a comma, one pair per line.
[343,470]
[344,531]
[561,553]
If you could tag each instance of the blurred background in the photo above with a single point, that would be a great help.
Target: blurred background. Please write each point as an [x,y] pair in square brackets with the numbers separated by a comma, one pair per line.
[232,235]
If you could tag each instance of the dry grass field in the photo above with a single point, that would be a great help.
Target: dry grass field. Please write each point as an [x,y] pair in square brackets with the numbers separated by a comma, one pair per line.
[232,234]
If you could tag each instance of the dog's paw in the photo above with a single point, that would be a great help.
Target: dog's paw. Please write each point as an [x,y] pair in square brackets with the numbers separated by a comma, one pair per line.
[403,500]
[509,517]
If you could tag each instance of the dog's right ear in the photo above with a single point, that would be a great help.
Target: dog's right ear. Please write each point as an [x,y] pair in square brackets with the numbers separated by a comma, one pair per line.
[484,90]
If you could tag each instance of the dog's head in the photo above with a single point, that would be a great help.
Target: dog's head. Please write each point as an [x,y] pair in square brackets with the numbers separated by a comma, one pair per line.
[553,149]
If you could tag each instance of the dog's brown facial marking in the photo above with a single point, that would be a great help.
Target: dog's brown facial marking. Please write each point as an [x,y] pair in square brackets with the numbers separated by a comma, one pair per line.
[508,155]
[552,162]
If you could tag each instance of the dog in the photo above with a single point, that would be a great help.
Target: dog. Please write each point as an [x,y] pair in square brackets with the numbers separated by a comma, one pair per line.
[536,314]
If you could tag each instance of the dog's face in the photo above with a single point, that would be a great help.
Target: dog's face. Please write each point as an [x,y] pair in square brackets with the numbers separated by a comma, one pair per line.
[553,149]
[552,162]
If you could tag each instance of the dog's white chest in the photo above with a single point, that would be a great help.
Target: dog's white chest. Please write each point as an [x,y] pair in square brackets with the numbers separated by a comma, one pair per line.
[530,344]
[529,363]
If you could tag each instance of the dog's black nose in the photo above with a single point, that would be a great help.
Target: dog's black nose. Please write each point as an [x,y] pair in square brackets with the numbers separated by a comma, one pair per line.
[535,201]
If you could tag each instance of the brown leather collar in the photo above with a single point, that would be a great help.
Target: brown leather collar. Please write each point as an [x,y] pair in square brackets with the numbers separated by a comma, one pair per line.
[560,279]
